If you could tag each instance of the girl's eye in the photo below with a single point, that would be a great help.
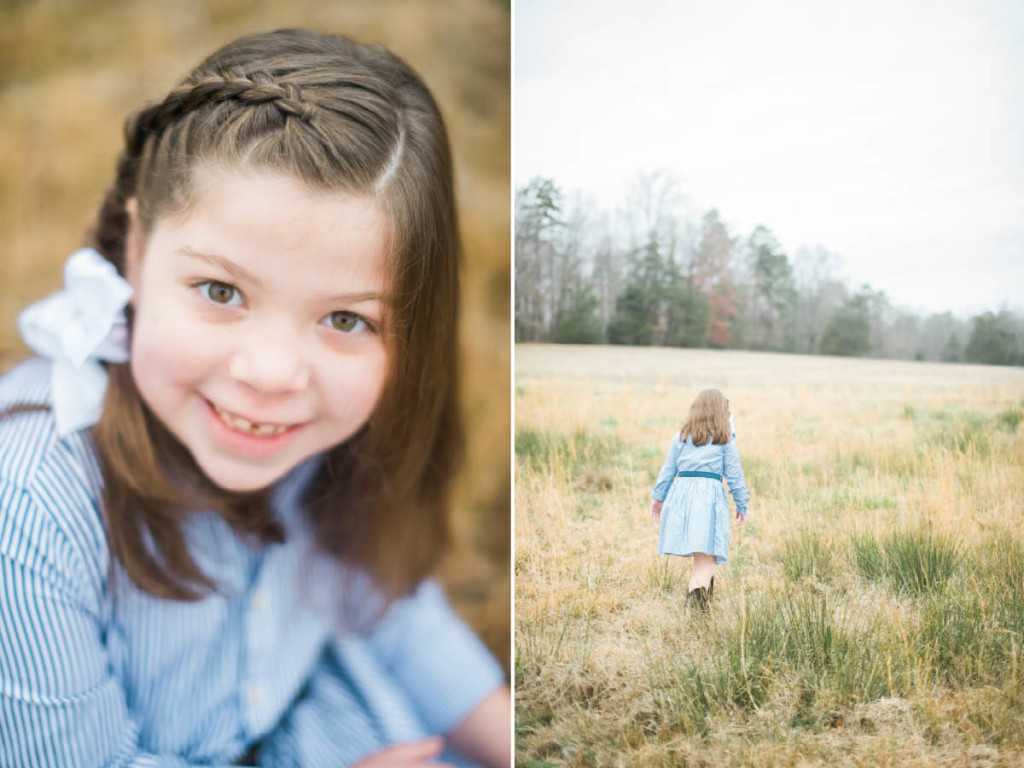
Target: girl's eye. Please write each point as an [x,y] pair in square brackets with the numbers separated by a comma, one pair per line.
[220,293]
[346,322]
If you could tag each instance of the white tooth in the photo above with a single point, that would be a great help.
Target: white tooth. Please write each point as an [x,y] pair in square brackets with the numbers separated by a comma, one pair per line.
[244,425]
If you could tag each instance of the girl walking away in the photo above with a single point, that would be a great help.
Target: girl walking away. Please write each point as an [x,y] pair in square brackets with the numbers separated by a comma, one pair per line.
[689,498]
[224,480]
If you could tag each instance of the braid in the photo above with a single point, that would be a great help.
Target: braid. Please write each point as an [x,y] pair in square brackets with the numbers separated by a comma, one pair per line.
[112,221]
[260,89]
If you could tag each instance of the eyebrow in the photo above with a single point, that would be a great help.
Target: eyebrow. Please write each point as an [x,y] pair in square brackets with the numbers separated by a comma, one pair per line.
[237,273]
[241,274]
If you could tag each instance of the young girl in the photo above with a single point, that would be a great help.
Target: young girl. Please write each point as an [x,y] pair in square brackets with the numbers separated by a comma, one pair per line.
[224,481]
[695,520]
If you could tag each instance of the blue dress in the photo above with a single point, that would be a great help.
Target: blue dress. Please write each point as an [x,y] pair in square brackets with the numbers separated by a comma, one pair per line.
[95,672]
[695,514]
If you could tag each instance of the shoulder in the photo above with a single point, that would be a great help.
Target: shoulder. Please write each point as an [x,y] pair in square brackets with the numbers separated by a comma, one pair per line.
[31,453]
[679,445]
[49,487]
[27,437]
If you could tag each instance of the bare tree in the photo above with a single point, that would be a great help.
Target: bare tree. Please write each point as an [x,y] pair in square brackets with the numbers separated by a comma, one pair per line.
[711,274]
[538,224]
[819,295]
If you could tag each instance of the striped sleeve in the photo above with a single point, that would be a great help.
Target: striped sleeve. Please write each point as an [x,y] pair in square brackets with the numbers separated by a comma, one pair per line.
[59,703]
[435,657]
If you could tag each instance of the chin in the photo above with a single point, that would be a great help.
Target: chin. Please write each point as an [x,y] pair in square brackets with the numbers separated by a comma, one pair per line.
[242,480]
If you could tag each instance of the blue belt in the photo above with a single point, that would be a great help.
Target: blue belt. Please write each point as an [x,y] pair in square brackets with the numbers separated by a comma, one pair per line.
[709,475]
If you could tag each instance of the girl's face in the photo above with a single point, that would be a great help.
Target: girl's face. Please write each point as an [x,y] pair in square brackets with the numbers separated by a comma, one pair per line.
[256,337]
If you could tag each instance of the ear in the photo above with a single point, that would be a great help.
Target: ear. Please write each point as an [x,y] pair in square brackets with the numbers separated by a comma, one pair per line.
[134,245]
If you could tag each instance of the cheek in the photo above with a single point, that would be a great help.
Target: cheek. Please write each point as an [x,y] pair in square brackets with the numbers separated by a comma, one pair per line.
[168,351]
[353,386]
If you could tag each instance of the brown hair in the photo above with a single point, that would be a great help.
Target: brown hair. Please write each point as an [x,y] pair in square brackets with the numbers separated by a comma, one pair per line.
[708,420]
[339,116]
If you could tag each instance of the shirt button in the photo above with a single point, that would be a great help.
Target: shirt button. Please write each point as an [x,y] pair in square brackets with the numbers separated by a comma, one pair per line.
[259,600]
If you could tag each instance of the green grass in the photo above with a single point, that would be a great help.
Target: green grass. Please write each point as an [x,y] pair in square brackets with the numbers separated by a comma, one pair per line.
[548,450]
[807,555]
[868,557]
[1003,560]
[919,561]
[665,576]
[912,562]
[970,431]
[1008,420]
[805,651]
[963,432]
[955,639]
[794,651]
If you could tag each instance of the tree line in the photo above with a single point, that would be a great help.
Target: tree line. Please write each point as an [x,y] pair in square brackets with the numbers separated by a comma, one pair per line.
[654,275]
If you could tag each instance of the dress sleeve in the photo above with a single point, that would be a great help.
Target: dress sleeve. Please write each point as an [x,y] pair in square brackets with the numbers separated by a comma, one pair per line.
[734,476]
[668,471]
[59,703]
[435,657]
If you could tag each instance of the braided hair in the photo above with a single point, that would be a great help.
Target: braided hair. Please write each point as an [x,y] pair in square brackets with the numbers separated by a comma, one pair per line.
[338,116]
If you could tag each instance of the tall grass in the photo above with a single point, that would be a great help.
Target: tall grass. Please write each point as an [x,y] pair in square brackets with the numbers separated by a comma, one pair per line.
[797,652]
[914,561]
[872,609]
[808,555]
[554,451]
[868,557]
[666,577]
[1009,419]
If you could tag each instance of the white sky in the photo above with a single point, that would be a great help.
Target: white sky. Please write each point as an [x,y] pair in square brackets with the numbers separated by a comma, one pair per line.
[891,132]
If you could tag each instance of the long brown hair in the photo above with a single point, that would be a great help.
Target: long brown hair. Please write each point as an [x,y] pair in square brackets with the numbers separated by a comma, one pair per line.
[339,116]
[708,420]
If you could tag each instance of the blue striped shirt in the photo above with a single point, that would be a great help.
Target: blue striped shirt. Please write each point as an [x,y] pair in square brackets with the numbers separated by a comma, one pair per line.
[94,673]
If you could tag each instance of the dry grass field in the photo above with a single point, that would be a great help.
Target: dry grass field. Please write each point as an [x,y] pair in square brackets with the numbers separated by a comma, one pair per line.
[71,71]
[871,612]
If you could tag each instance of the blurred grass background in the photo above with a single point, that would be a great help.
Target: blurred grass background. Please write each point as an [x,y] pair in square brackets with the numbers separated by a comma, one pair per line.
[72,70]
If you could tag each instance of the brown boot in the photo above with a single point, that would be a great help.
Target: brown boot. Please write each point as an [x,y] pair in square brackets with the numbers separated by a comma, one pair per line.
[698,599]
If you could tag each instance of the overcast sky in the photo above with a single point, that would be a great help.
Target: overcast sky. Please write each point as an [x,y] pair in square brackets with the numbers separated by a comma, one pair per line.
[891,132]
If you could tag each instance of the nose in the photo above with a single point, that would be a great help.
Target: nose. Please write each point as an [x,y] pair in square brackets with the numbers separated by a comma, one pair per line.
[271,361]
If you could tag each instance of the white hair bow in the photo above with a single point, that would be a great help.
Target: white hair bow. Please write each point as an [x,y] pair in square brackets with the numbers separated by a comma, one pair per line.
[77,328]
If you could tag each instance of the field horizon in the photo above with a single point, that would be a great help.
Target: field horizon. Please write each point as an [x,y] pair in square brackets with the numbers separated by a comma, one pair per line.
[872,609]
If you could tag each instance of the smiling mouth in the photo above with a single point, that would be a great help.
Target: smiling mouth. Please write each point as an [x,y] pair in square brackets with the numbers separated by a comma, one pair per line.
[241,424]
